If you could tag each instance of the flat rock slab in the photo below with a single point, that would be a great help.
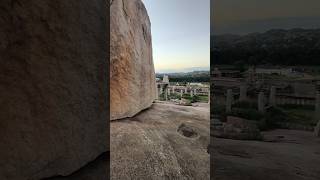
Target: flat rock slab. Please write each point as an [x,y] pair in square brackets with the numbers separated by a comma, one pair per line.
[295,156]
[163,142]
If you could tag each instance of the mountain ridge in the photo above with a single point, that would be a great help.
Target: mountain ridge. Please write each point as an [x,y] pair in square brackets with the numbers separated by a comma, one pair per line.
[296,46]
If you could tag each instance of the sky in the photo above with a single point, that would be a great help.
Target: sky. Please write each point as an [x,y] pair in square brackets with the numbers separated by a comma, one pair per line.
[247,16]
[180,34]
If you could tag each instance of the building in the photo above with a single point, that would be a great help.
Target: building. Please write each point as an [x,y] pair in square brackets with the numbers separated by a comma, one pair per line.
[165,79]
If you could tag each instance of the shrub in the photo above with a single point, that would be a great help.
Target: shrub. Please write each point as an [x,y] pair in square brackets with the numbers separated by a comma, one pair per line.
[295,106]
[187,96]
[174,96]
[247,113]
[273,116]
[218,109]
[245,104]
[201,98]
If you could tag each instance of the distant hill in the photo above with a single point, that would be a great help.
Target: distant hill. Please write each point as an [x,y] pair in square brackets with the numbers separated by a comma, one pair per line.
[277,47]
[262,25]
[185,70]
[195,76]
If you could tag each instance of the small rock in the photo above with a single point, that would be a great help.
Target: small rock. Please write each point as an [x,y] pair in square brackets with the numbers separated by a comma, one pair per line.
[238,128]
[185,102]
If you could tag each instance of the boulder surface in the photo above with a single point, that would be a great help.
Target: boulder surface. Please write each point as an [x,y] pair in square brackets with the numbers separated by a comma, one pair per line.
[166,141]
[132,75]
[53,83]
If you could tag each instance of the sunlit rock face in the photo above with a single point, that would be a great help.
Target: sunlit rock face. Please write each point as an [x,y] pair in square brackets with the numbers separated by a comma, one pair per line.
[53,82]
[132,75]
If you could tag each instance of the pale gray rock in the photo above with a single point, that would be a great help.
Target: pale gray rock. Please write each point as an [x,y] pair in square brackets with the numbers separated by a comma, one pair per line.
[185,102]
[132,76]
[238,128]
[53,83]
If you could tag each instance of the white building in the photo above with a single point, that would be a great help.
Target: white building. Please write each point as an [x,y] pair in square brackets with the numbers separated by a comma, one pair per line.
[165,79]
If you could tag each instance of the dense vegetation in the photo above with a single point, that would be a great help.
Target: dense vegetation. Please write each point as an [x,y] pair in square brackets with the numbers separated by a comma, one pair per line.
[276,47]
[275,117]
[196,76]
[193,99]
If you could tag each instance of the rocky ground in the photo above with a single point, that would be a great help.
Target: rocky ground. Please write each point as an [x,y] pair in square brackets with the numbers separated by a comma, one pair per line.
[166,141]
[284,154]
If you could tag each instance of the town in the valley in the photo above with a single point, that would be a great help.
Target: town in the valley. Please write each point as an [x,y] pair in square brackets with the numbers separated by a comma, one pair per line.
[266,117]
[291,92]
[182,93]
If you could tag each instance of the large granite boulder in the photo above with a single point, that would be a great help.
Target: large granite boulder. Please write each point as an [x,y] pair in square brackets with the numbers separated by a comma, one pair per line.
[132,75]
[53,83]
